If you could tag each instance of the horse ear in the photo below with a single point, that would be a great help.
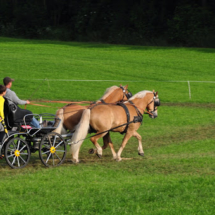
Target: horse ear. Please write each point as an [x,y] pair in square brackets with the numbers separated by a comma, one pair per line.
[156,93]
[126,86]
[153,91]
[120,85]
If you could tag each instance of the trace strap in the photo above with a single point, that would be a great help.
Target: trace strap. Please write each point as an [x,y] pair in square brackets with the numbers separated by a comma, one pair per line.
[134,121]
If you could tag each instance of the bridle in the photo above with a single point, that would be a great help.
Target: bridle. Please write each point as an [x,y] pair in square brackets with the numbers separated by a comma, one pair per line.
[127,95]
[156,101]
[152,113]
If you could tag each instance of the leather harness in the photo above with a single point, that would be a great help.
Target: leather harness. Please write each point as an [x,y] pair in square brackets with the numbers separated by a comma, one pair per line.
[127,114]
[138,118]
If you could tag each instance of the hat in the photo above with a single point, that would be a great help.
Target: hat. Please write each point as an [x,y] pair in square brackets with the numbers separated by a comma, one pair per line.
[7,80]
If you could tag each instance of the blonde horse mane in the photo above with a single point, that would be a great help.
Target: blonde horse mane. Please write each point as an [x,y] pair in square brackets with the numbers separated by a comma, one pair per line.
[108,91]
[140,95]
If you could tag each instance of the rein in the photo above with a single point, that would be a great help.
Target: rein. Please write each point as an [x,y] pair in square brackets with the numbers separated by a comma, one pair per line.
[73,103]
[66,102]
[127,95]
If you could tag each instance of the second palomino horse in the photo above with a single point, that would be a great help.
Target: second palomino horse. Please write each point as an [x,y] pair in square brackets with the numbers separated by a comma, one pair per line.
[126,118]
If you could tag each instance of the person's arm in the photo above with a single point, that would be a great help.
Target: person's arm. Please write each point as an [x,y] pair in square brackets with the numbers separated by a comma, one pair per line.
[13,97]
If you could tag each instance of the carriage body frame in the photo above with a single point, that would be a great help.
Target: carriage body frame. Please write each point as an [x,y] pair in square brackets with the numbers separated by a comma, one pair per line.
[17,142]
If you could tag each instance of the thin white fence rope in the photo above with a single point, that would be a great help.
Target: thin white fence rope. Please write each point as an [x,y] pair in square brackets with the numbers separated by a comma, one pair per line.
[213,82]
[188,82]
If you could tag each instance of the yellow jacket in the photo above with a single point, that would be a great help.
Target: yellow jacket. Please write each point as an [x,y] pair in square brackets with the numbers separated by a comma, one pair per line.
[1,107]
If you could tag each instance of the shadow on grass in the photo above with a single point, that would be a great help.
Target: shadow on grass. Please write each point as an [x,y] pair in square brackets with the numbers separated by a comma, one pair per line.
[103,45]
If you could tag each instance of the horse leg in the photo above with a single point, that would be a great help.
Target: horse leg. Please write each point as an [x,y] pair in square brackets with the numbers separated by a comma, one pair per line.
[125,140]
[59,122]
[140,147]
[79,135]
[75,154]
[107,140]
[98,147]
[112,150]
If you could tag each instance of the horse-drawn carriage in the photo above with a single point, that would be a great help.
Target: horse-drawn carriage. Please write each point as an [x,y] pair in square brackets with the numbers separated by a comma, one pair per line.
[19,139]
[124,117]
[16,145]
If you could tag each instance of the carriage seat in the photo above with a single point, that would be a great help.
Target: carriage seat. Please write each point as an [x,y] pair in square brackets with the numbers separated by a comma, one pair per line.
[14,114]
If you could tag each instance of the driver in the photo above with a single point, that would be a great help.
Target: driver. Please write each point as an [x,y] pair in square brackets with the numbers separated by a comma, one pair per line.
[11,95]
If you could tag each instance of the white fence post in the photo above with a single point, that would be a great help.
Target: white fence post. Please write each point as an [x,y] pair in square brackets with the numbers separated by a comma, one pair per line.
[189,89]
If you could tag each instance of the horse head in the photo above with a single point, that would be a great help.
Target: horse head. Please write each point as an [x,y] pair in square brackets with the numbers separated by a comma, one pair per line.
[126,93]
[153,104]
[116,94]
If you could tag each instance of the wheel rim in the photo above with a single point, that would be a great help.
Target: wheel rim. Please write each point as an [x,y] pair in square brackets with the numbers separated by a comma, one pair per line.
[52,150]
[17,153]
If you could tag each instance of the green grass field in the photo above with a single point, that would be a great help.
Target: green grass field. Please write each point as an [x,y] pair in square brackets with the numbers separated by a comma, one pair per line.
[177,174]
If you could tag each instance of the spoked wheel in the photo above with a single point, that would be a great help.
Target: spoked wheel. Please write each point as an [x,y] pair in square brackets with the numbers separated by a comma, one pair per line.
[17,153]
[52,149]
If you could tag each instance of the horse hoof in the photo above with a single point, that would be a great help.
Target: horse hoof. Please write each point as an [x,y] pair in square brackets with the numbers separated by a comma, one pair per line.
[141,154]
[100,156]
[91,151]
[74,161]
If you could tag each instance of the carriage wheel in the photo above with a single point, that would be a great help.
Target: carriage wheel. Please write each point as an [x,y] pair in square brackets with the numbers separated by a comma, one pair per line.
[52,149]
[17,153]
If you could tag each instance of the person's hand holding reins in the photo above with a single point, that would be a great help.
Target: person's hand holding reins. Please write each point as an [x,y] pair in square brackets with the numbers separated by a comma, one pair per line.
[27,102]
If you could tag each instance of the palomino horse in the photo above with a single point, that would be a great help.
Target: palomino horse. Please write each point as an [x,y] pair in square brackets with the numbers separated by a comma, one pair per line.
[126,117]
[70,115]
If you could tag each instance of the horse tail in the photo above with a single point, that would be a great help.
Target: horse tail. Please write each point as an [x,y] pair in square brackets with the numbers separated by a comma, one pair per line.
[81,132]
[59,122]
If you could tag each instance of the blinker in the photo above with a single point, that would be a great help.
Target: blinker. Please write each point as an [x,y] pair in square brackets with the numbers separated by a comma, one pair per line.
[157,102]
[128,95]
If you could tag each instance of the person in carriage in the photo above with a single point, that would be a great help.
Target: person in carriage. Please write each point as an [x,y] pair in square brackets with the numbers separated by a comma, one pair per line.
[11,95]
